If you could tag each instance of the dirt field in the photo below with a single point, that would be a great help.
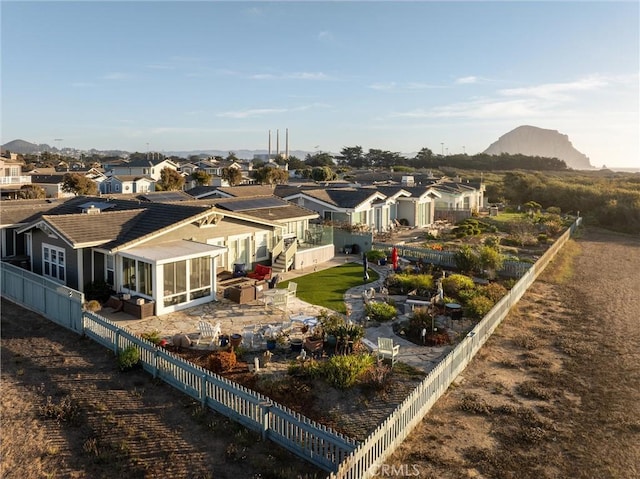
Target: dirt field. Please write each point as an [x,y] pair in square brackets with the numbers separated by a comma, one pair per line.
[67,412]
[555,393]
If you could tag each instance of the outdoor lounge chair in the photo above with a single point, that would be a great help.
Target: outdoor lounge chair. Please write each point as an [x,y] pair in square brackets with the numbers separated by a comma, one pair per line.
[208,332]
[292,289]
[386,349]
[280,300]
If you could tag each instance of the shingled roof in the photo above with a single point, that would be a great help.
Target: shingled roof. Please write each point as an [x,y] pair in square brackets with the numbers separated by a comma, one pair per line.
[122,223]
[342,197]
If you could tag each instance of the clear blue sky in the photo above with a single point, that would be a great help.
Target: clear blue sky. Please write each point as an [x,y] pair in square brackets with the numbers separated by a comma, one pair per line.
[396,76]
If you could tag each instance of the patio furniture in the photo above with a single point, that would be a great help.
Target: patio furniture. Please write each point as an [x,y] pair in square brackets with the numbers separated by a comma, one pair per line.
[139,307]
[261,272]
[242,293]
[239,270]
[386,349]
[208,332]
[292,289]
[280,300]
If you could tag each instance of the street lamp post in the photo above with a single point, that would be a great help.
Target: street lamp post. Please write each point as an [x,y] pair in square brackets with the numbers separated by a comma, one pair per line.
[442,148]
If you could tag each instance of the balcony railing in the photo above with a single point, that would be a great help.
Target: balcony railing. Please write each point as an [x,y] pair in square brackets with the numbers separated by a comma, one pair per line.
[14,180]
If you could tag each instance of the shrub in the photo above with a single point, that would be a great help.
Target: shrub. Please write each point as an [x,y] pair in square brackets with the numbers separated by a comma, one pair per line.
[153,337]
[479,306]
[467,259]
[380,311]
[456,282]
[67,410]
[128,358]
[343,372]
[376,255]
[493,291]
[307,369]
[222,361]
[543,238]
[377,376]
[408,282]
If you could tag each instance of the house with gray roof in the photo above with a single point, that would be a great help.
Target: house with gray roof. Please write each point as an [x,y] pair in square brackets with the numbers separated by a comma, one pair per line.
[165,253]
[161,249]
[141,167]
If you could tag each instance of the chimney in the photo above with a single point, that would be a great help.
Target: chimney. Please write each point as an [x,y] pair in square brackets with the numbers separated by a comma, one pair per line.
[91,210]
[277,143]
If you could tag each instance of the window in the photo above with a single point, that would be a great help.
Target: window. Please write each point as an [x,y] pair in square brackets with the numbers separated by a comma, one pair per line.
[109,269]
[145,278]
[200,277]
[262,246]
[128,273]
[175,283]
[53,262]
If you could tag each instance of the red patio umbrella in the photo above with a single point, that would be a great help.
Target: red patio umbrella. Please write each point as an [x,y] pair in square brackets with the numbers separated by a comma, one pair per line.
[394,258]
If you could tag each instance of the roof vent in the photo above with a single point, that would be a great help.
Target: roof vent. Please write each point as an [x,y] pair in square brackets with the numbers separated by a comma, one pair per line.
[91,210]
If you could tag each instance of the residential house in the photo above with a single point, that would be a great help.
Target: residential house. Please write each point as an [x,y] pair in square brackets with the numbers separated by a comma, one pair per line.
[11,177]
[162,252]
[127,184]
[412,205]
[143,167]
[52,184]
[355,207]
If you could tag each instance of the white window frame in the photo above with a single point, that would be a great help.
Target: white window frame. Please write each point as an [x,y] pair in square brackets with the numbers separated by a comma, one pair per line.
[48,263]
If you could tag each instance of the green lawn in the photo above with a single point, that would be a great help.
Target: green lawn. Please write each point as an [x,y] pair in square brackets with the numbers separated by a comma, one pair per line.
[327,287]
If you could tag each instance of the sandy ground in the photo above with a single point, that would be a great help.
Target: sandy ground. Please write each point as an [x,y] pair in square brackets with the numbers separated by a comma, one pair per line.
[67,412]
[555,393]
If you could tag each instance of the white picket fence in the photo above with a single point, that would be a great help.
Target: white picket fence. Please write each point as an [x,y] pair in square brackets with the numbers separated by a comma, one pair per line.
[366,460]
[314,442]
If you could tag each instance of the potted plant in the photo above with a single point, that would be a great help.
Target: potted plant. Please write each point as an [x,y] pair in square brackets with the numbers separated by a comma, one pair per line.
[235,340]
[330,325]
[296,344]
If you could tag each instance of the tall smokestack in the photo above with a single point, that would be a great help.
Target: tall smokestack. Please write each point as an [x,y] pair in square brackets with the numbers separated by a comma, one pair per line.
[269,153]
[286,154]
[277,143]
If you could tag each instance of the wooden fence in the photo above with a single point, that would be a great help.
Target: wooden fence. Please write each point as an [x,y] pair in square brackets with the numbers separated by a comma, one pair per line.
[366,460]
[314,442]
[511,269]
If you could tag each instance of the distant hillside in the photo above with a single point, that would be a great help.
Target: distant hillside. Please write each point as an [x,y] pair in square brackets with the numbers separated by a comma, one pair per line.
[534,141]
[25,148]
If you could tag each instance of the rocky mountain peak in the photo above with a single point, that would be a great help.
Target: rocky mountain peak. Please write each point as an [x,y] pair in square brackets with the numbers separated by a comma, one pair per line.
[534,141]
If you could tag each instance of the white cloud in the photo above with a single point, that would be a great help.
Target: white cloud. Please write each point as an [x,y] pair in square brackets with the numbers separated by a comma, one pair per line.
[557,91]
[466,80]
[83,84]
[486,108]
[253,112]
[384,86]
